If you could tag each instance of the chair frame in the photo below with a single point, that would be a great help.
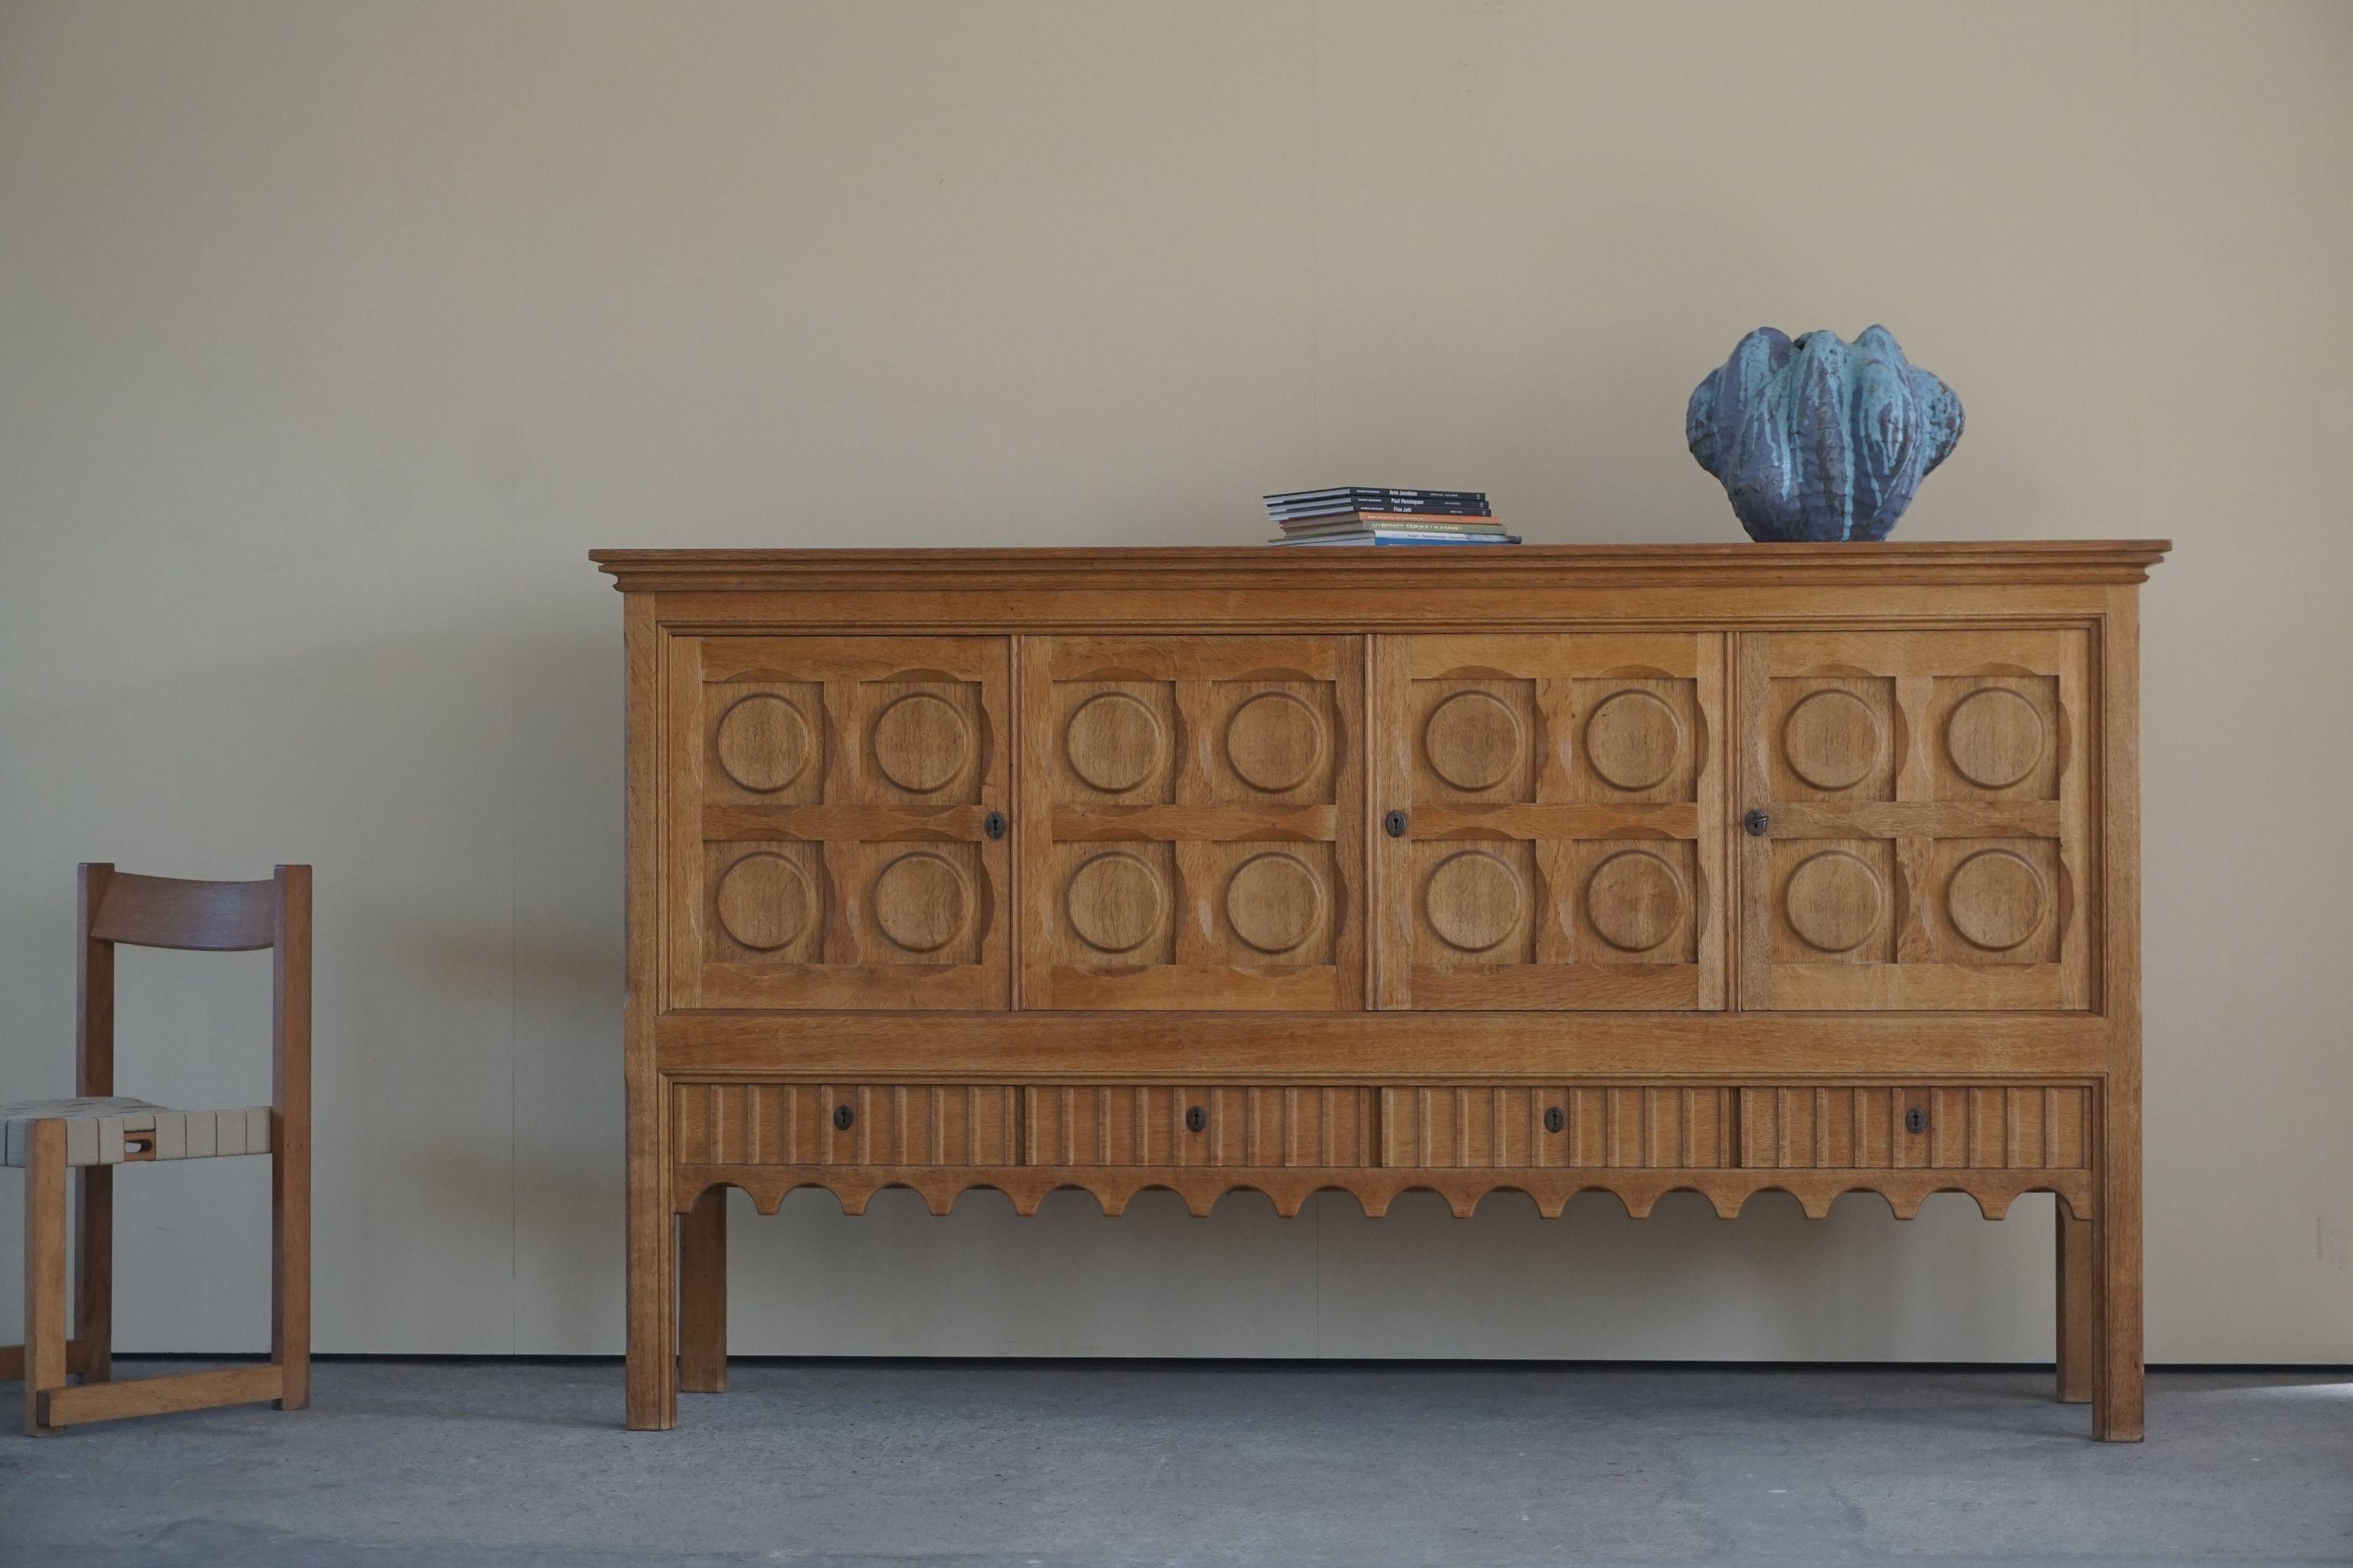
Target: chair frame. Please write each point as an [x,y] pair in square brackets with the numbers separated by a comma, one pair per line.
[214,917]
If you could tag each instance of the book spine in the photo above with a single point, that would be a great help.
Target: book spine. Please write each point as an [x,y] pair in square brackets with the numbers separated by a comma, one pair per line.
[1399,536]
[1482,523]
[1342,509]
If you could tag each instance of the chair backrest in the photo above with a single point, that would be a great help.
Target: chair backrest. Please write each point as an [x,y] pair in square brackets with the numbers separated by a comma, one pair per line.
[206,916]
[169,911]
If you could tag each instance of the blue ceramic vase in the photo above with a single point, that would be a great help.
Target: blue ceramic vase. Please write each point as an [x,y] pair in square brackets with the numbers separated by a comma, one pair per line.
[1817,439]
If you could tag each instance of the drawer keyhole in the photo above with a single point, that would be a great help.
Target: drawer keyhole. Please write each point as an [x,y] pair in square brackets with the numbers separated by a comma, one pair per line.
[994,825]
[1195,1118]
[1915,1121]
[1395,823]
[842,1117]
[1553,1119]
[1757,824]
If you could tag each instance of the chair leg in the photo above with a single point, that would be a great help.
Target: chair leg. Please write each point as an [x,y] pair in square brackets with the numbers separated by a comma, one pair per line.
[290,1267]
[94,1277]
[44,1268]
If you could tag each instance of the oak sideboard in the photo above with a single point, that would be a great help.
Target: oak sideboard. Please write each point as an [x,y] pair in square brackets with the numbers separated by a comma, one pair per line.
[1720,868]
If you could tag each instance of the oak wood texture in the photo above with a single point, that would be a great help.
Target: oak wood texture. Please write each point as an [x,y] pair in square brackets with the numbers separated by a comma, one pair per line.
[1377,1188]
[1563,821]
[703,1294]
[1196,959]
[835,853]
[1927,795]
[1192,814]
[116,908]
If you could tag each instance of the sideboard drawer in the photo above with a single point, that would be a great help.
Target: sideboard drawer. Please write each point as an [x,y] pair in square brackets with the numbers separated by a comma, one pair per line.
[843,1125]
[1631,1126]
[1766,1127]
[1917,1127]
[1131,1125]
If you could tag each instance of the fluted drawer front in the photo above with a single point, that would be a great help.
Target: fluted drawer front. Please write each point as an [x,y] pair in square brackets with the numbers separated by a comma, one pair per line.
[1711,1127]
[1917,1127]
[844,1124]
[1590,1126]
[1129,1124]
[1654,1126]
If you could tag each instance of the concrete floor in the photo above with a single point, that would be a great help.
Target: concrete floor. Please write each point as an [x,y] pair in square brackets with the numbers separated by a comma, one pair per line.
[502,1464]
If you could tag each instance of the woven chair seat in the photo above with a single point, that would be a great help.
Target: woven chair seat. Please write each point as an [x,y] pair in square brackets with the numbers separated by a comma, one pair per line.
[108,1132]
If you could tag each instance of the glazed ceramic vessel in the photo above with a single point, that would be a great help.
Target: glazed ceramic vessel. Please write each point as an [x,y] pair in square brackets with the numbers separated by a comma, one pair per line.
[1818,438]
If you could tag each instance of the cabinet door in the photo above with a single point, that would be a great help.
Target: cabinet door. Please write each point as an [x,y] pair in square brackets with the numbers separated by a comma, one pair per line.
[1564,820]
[1924,840]
[828,806]
[1192,822]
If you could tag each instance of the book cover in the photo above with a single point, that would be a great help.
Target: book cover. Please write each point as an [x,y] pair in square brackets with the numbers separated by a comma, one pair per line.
[1480,524]
[1358,523]
[1377,494]
[1396,536]
[1431,508]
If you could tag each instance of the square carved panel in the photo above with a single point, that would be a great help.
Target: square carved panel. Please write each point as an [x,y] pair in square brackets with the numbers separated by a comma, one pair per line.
[1474,738]
[921,741]
[1832,738]
[826,804]
[1995,737]
[1834,900]
[1927,841]
[1187,803]
[1475,902]
[1562,807]
[1116,905]
[1116,742]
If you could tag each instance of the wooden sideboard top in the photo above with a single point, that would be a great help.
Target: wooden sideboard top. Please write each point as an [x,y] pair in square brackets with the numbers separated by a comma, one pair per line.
[1558,565]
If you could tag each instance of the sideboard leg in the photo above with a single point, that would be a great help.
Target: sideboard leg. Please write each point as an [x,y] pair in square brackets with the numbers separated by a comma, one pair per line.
[652,1292]
[2116,1390]
[2078,1305]
[702,1295]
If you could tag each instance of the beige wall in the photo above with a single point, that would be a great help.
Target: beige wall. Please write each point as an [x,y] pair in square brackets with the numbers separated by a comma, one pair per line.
[331,335]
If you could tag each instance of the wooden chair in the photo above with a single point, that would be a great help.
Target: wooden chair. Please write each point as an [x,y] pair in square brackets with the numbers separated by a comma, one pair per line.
[99,1130]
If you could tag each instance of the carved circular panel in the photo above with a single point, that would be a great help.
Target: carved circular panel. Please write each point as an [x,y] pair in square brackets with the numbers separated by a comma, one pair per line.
[1472,900]
[763,743]
[1634,900]
[765,903]
[1831,739]
[1273,902]
[1833,901]
[1115,902]
[1113,741]
[1472,741]
[1994,737]
[920,901]
[1632,739]
[1996,899]
[922,743]
[1273,742]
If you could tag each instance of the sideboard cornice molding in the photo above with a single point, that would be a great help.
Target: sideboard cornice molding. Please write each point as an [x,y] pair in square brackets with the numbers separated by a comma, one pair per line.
[1148,569]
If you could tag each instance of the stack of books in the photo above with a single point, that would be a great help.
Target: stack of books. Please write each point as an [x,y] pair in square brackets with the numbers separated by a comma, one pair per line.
[1374,514]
